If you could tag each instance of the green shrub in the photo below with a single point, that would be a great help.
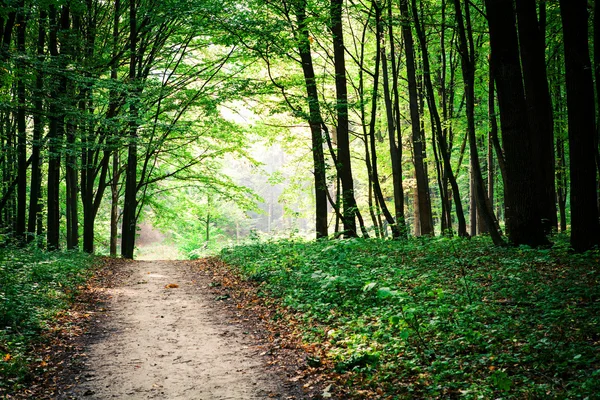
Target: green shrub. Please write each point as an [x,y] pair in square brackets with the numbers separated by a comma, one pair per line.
[441,317]
[34,287]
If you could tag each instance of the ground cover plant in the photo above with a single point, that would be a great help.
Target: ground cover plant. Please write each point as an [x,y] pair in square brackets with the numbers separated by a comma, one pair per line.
[35,287]
[439,318]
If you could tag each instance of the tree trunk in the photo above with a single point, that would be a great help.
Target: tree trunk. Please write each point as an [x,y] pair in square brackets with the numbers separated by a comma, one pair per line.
[128,230]
[585,227]
[315,122]
[422,201]
[35,190]
[21,126]
[467,53]
[379,57]
[55,137]
[344,160]
[523,220]
[437,124]
[563,183]
[114,205]
[398,228]
[539,107]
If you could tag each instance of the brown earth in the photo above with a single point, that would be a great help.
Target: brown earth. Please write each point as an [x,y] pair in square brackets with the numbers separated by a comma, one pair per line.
[171,331]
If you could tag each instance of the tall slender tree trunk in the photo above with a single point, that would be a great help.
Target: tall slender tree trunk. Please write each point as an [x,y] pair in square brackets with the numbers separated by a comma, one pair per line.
[585,227]
[380,57]
[35,189]
[315,122]
[128,231]
[467,53]
[523,219]
[114,205]
[422,202]
[55,137]
[437,123]
[344,159]
[21,126]
[563,183]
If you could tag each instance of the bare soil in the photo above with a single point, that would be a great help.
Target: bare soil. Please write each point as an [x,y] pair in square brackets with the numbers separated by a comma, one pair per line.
[165,335]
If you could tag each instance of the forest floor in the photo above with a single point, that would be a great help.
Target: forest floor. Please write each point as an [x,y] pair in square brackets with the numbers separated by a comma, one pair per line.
[169,329]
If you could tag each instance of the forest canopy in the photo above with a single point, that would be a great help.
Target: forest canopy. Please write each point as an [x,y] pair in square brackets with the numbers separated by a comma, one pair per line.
[385,118]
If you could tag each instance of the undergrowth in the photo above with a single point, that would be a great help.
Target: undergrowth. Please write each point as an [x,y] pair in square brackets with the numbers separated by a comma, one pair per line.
[440,318]
[35,287]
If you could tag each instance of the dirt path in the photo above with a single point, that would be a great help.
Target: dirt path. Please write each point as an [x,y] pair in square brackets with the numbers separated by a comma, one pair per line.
[172,343]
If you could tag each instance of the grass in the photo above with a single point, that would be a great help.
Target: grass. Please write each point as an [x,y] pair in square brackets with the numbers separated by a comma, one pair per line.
[34,288]
[440,318]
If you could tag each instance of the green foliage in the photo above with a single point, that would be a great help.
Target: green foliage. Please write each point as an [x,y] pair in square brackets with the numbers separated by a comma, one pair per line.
[34,287]
[441,317]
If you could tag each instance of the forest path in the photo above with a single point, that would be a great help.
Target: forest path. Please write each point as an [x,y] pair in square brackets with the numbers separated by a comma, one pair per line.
[171,343]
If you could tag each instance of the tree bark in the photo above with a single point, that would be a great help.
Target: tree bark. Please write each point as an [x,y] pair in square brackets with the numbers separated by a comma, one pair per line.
[539,107]
[423,202]
[315,121]
[21,126]
[585,227]
[35,190]
[467,53]
[128,230]
[437,123]
[344,159]
[55,138]
[523,219]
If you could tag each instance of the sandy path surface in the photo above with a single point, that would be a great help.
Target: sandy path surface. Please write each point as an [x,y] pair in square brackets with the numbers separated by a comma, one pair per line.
[161,343]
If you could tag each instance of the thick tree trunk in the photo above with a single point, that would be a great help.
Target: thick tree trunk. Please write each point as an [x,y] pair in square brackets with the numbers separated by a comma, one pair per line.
[315,122]
[344,159]
[585,227]
[424,224]
[467,53]
[539,107]
[523,219]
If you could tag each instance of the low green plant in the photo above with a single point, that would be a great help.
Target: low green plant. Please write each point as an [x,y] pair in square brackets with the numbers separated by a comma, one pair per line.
[34,287]
[441,317]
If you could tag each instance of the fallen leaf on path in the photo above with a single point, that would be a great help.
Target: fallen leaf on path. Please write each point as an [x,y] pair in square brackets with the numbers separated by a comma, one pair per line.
[171,286]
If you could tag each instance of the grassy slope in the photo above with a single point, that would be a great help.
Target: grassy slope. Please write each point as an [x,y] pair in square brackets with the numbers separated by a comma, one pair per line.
[440,317]
[34,288]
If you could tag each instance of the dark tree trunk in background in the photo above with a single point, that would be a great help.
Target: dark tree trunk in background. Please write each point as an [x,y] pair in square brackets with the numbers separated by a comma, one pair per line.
[563,183]
[597,76]
[128,230]
[467,55]
[114,205]
[55,137]
[35,190]
[21,127]
[380,57]
[315,122]
[539,107]
[344,160]
[523,219]
[585,227]
[396,135]
[422,201]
